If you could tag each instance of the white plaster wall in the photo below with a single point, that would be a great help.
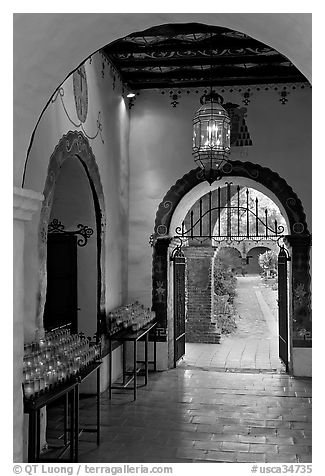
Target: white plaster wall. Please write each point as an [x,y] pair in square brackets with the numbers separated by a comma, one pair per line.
[160,154]
[89,385]
[302,361]
[48,46]
[112,160]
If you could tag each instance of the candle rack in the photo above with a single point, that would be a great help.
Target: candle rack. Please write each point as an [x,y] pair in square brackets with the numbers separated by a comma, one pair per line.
[56,359]
[134,316]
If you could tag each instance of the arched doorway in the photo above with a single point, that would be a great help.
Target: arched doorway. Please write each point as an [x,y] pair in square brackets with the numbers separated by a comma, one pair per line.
[71,298]
[172,211]
[72,192]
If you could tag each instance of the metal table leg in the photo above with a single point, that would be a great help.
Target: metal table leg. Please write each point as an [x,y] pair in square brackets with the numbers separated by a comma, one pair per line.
[65,418]
[98,406]
[146,358]
[38,434]
[110,368]
[72,424]
[32,437]
[124,362]
[135,369]
[76,432]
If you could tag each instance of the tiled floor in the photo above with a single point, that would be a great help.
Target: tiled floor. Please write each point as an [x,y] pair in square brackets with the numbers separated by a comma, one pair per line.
[226,402]
[193,415]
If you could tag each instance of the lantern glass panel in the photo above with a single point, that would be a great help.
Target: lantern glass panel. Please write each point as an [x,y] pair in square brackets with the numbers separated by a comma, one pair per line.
[204,138]
[196,135]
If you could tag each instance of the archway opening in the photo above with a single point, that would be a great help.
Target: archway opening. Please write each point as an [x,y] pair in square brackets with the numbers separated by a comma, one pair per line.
[293,258]
[72,256]
[230,303]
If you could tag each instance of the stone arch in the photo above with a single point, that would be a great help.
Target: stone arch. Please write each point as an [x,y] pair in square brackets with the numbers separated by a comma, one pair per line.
[252,266]
[232,251]
[266,177]
[298,239]
[73,144]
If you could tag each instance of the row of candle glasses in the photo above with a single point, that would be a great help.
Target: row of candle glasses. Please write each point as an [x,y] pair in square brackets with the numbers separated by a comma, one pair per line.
[133,315]
[62,357]
[50,341]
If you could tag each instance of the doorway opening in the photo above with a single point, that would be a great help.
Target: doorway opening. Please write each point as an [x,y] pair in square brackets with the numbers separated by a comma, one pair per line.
[230,281]
[186,234]
[72,233]
[71,298]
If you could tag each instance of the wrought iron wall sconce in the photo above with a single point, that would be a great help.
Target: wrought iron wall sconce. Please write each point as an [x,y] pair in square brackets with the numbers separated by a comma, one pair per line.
[84,231]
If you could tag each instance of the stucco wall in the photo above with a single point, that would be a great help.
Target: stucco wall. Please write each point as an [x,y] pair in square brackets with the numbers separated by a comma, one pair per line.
[110,148]
[160,153]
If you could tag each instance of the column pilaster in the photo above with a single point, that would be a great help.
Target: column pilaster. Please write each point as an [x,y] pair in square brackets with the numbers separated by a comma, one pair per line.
[200,295]
[25,204]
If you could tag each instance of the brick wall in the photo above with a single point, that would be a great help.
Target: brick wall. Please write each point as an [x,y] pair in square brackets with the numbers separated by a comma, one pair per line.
[199,295]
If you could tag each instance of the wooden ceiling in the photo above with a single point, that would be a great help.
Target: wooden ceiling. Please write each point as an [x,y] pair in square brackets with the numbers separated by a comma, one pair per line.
[195,55]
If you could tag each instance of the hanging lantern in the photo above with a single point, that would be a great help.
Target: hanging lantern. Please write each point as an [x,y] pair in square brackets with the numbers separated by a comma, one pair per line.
[211,134]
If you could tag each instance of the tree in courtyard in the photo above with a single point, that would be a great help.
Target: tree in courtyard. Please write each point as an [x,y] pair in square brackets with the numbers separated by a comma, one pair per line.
[268,262]
[224,275]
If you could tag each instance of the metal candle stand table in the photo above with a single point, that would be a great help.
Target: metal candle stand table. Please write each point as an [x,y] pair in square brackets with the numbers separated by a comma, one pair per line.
[70,391]
[125,336]
[33,407]
[93,367]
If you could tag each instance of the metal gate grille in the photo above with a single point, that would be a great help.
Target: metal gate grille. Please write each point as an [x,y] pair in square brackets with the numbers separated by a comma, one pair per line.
[179,305]
[283,305]
[229,213]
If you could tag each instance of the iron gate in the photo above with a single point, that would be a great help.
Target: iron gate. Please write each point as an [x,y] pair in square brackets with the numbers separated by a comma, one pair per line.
[283,259]
[229,213]
[179,304]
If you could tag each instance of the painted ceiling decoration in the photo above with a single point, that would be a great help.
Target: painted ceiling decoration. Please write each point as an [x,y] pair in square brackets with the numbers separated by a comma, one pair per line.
[194,55]
[282,90]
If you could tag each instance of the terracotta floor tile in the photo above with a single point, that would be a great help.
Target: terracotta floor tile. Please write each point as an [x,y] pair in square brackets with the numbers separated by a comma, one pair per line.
[194,415]
[250,458]
[280,458]
[221,456]
[262,448]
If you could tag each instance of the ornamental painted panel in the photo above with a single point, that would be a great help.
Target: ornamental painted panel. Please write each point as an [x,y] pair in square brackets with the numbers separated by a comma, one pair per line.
[80,91]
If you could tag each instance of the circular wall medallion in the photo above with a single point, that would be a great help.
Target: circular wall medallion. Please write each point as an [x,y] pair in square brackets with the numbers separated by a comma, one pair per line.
[161,230]
[80,91]
[226,168]
[298,227]
[291,202]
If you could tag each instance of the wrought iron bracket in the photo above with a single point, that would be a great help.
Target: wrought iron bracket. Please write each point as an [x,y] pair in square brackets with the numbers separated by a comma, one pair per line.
[83,230]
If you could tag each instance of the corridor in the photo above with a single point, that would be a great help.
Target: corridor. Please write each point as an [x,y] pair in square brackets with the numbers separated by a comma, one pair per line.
[192,415]
[254,345]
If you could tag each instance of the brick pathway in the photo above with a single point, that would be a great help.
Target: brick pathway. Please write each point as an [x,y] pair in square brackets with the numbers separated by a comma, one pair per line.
[192,415]
[255,343]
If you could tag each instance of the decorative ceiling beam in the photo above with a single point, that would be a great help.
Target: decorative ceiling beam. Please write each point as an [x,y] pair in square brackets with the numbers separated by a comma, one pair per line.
[125,63]
[172,44]
[254,72]
[215,83]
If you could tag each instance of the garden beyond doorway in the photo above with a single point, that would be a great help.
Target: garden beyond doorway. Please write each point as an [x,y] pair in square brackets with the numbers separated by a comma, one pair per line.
[253,344]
